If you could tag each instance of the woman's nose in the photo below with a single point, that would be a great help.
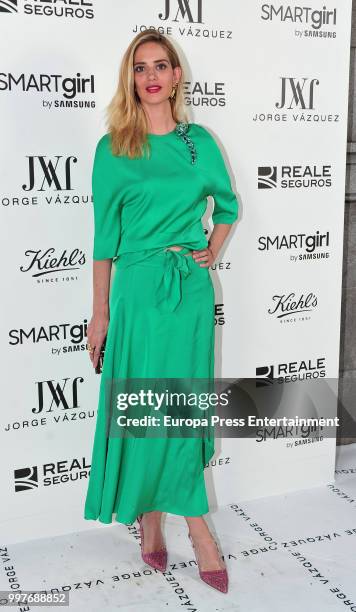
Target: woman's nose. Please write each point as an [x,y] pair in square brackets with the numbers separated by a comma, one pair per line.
[151,72]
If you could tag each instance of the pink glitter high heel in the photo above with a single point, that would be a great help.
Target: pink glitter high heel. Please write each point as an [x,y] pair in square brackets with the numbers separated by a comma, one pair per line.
[156,559]
[218,579]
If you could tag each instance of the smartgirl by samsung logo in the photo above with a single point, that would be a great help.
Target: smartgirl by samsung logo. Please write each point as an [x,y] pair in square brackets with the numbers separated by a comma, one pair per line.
[299,247]
[72,91]
[313,23]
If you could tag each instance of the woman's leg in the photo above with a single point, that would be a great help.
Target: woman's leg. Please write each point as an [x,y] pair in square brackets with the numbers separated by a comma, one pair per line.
[151,523]
[207,553]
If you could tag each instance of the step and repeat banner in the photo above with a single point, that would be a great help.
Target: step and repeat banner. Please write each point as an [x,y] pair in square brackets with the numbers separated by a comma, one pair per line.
[270,82]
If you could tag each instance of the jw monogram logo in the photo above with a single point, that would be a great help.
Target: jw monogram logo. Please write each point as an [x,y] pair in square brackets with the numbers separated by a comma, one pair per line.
[183,11]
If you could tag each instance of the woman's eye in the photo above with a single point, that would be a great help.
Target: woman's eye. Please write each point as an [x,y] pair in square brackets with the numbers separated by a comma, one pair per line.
[137,68]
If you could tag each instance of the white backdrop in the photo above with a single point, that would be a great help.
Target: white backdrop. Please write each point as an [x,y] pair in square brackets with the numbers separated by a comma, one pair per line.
[270,82]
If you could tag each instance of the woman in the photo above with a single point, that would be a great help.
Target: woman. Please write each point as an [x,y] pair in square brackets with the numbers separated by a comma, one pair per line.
[152,174]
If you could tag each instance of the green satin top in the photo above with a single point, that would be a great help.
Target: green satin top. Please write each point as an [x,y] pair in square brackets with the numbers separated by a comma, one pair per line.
[150,203]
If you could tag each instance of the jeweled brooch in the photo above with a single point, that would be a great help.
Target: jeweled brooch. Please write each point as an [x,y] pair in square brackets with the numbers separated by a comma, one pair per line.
[181,130]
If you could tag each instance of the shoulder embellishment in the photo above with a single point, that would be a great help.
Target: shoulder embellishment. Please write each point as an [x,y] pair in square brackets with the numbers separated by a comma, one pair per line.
[181,130]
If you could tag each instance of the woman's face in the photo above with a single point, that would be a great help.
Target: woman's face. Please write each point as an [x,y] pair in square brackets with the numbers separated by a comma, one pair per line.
[154,75]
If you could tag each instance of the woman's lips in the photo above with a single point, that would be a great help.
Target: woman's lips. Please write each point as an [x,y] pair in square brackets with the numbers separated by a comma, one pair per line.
[153,88]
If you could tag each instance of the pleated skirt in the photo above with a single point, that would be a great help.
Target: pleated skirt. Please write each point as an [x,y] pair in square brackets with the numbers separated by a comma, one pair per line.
[161,326]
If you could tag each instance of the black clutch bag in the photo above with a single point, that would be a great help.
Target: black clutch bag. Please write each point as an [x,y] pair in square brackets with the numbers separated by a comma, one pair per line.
[99,365]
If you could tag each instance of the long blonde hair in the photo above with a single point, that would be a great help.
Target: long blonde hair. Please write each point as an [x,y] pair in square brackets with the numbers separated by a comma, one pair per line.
[126,119]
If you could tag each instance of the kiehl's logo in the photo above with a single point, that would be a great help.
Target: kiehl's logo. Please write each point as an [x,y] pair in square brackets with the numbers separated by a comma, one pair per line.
[41,263]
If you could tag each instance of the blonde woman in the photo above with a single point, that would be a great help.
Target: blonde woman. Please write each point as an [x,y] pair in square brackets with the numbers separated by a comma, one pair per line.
[152,173]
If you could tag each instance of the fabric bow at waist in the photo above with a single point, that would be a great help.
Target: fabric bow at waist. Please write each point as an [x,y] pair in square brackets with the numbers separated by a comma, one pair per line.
[175,267]
[169,291]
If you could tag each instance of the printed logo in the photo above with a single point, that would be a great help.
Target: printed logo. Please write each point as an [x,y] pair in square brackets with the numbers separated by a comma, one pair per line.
[205,94]
[8,6]
[49,180]
[57,402]
[26,478]
[78,9]
[311,246]
[183,18]
[219,314]
[54,473]
[296,95]
[183,10]
[46,263]
[294,176]
[267,177]
[57,396]
[304,369]
[71,91]
[49,173]
[264,376]
[63,332]
[313,23]
[290,306]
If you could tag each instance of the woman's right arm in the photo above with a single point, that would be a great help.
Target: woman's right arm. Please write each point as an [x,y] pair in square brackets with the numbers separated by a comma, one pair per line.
[98,326]
[107,232]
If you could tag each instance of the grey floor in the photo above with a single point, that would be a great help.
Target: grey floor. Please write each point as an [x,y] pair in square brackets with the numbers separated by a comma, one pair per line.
[289,552]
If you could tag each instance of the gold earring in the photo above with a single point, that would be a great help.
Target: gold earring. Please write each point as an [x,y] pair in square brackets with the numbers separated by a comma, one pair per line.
[173,92]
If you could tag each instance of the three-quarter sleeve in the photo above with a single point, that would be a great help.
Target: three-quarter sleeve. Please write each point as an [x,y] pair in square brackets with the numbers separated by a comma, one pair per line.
[107,226]
[225,201]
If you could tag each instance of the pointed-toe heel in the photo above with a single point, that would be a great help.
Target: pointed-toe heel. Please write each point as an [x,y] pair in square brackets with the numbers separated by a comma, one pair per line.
[156,559]
[218,579]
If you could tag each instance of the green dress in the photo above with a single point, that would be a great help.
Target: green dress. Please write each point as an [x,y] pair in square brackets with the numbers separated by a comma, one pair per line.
[161,312]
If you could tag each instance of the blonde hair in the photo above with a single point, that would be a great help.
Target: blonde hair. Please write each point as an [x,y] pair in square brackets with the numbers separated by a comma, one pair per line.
[126,119]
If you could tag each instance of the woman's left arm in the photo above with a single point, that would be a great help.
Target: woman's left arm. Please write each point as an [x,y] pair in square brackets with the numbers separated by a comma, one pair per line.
[226,206]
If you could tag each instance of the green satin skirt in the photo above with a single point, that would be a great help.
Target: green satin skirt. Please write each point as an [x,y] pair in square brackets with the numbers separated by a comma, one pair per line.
[161,326]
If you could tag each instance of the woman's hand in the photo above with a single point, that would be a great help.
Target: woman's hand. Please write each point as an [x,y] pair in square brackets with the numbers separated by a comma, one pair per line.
[97,330]
[206,255]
